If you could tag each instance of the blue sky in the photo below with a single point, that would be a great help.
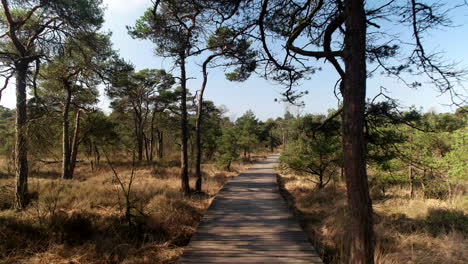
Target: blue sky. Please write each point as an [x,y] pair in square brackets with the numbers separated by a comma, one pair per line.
[259,94]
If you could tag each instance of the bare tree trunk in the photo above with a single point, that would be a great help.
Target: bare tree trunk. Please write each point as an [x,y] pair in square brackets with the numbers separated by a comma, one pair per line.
[138,132]
[66,153]
[410,170]
[21,149]
[151,138]
[75,144]
[97,155]
[140,144]
[89,152]
[198,143]
[359,202]
[160,144]
[184,129]
[147,145]
[198,125]
[411,180]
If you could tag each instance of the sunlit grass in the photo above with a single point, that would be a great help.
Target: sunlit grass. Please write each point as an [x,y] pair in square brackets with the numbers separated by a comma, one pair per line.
[407,230]
[82,220]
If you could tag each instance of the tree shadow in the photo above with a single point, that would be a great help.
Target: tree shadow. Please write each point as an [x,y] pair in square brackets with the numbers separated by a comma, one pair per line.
[437,222]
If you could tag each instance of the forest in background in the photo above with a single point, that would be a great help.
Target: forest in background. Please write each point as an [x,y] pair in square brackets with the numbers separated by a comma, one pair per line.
[131,186]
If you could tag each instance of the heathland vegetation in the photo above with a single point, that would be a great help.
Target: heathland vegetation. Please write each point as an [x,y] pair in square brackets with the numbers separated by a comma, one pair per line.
[371,181]
[418,171]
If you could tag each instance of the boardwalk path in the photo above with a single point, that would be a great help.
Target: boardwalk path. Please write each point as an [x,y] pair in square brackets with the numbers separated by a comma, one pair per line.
[249,222]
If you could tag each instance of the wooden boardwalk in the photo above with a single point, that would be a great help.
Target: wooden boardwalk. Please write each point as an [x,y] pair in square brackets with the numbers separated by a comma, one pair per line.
[249,222]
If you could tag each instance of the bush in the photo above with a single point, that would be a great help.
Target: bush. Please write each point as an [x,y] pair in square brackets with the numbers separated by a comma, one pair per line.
[436,189]
[446,220]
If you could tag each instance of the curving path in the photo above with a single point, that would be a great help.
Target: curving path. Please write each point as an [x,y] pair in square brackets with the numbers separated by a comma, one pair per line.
[249,222]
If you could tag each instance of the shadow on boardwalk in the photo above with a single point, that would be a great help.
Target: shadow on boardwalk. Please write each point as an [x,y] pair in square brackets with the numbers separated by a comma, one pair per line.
[249,222]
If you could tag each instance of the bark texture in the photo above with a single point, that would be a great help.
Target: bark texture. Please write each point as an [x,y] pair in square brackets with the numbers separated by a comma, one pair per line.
[360,204]
[198,125]
[21,149]
[160,135]
[184,129]
[66,150]
[75,144]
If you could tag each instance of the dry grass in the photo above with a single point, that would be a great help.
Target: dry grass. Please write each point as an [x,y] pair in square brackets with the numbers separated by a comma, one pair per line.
[408,230]
[81,220]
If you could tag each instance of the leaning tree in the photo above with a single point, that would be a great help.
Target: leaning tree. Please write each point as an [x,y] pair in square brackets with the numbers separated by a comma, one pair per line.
[229,48]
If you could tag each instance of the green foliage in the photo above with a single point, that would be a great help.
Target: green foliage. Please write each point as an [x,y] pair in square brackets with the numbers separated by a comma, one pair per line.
[212,128]
[148,86]
[269,134]
[228,147]
[314,151]
[174,28]
[456,160]
[444,221]
[432,146]
[52,23]
[248,126]
[238,51]
[100,129]
[140,102]
[6,130]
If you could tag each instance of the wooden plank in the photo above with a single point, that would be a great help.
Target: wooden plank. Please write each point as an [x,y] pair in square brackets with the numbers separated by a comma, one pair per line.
[242,245]
[249,222]
[250,259]
[253,254]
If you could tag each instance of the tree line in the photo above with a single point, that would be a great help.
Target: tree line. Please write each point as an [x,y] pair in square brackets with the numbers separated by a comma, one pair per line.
[411,149]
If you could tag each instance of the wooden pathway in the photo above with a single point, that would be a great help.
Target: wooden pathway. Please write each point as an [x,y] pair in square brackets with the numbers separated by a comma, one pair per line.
[249,222]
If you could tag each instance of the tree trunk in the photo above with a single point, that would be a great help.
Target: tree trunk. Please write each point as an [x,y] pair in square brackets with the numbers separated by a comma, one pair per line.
[97,156]
[449,189]
[66,152]
[411,180]
[151,138]
[410,170]
[198,143]
[139,132]
[89,152]
[140,145]
[160,144]
[183,127]
[198,125]
[21,149]
[146,142]
[75,144]
[359,202]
